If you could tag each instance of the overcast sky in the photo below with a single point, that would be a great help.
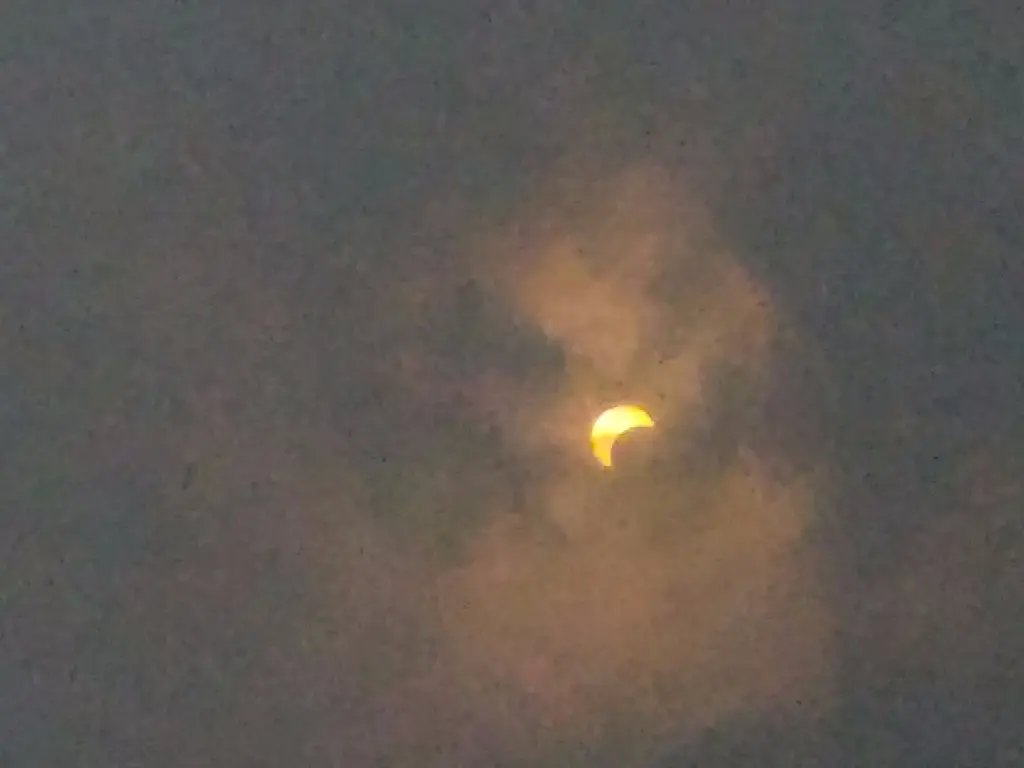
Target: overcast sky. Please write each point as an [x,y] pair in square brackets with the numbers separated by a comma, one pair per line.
[306,308]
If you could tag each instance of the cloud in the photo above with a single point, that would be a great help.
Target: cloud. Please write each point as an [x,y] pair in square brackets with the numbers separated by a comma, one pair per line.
[655,601]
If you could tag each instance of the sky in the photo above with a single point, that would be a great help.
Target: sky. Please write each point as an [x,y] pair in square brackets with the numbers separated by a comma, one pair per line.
[306,310]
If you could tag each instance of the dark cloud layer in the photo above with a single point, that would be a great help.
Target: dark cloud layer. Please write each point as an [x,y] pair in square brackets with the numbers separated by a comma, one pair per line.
[305,310]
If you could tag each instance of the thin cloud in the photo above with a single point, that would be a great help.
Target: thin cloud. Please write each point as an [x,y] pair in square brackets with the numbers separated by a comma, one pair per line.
[671,599]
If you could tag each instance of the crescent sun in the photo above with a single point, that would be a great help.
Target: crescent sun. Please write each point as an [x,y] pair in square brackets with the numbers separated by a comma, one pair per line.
[613,423]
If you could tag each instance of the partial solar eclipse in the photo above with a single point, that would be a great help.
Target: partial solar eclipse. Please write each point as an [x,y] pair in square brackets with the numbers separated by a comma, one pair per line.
[613,423]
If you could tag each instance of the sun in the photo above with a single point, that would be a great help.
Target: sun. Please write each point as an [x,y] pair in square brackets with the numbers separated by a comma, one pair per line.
[611,424]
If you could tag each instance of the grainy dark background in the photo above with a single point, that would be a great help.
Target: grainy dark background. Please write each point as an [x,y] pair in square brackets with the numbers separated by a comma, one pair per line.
[222,223]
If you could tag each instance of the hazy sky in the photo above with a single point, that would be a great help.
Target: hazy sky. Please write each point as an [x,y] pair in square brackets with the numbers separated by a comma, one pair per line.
[305,310]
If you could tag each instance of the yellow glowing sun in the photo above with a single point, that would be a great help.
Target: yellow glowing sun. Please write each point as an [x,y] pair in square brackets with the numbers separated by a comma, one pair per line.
[613,423]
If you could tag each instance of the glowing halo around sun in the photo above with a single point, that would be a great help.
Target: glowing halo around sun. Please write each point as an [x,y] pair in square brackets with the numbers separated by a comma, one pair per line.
[613,423]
